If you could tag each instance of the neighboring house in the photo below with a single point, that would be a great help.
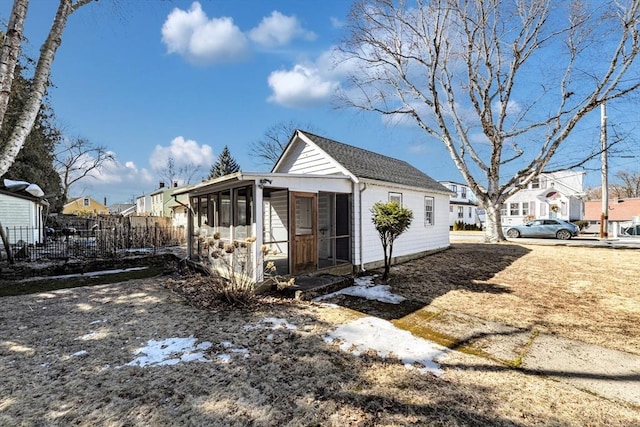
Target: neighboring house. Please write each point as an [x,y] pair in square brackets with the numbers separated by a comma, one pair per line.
[123,209]
[314,209]
[162,200]
[84,206]
[463,205]
[623,213]
[143,205]
[22,214]
[551,195]
[179,207]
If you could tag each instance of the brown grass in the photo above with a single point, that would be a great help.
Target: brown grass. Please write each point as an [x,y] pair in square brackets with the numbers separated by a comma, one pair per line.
[588,294]
[292,377]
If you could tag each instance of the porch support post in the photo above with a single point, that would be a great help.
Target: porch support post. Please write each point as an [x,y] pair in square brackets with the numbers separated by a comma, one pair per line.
[257,230]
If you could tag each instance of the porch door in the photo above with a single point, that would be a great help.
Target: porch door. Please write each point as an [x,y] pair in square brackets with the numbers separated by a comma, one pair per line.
[304,234]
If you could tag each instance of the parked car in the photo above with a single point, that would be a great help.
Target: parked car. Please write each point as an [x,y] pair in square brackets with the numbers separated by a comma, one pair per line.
[557,228]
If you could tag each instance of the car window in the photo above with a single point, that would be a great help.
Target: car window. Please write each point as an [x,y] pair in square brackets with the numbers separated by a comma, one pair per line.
[537,222]
[551,222]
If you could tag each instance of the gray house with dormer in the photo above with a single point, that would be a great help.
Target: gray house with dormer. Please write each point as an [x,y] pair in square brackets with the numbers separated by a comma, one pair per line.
[312,212]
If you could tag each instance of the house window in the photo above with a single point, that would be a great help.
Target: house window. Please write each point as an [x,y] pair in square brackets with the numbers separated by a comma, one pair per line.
[514,209]
[428,211]
[85,201]
[460,212]
[535,183]
[450,208]
[454,188]
[470,211]
[525,208]
[503,210]
[463,192]
[396,197]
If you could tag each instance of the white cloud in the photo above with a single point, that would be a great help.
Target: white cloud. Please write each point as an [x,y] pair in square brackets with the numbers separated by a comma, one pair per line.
[336,23]
[279,30]
[309,84]
[201,40]
[513,107]
[115,172]
[183,152]
[303,86]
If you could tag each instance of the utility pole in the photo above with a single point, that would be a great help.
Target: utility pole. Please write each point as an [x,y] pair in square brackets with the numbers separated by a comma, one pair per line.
[604,216]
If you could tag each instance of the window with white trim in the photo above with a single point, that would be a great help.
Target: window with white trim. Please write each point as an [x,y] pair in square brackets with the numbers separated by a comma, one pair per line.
[85,201]
[514,209]
[460,212]
[395,197]
[525,208]
[428,211]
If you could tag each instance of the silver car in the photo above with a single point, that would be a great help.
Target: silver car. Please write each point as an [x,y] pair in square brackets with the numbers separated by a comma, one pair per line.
[557,228]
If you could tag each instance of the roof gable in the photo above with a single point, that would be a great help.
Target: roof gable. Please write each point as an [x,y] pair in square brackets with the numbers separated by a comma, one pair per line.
[366,164]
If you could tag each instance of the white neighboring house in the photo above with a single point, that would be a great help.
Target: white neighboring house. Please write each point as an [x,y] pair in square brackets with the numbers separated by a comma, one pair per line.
[463,205]
[21,213]
[551,195]
[314,209]
[143,205]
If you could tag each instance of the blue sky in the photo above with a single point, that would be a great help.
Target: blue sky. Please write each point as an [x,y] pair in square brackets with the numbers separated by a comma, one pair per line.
[157,79]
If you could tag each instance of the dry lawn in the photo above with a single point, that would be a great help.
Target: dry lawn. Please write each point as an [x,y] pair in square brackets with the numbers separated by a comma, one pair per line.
[63,354]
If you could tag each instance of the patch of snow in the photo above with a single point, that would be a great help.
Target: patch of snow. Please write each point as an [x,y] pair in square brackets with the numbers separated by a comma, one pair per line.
[80,353]
[365,288]
[224,358]
[98,321]
[381,336]
[170,351]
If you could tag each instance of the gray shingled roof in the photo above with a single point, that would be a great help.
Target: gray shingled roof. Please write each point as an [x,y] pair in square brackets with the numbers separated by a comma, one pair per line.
[369,165]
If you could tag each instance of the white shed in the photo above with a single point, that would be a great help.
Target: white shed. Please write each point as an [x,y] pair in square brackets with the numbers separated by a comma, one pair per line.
[22,216]
[314,209]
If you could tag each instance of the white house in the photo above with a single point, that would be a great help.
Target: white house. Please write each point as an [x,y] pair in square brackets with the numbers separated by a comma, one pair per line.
[463,205]
[551,195]
[21,213]
[143,205]
[313,209]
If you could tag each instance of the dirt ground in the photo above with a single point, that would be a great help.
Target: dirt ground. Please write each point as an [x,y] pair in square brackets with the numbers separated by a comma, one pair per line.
[66,356]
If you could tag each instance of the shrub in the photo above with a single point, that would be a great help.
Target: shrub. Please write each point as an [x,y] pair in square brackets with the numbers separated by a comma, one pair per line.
[390,220]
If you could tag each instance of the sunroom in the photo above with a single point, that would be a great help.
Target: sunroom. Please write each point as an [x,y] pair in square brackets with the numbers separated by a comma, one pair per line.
[295,223]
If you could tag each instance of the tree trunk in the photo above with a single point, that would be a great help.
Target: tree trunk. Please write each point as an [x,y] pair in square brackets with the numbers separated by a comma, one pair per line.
[10,53]
[40,79]
[493,231]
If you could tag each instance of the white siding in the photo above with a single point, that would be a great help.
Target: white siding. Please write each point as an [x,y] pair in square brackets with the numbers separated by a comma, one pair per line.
[306,159]
[17,212]
[419,237]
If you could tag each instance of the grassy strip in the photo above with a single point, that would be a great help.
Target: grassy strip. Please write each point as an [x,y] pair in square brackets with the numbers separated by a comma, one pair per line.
[9,289]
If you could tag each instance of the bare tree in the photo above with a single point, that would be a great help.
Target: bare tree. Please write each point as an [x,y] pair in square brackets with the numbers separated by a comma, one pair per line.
[172,173]
[9,53]
[76,159]
[267,151]
[502,84]
[628,186]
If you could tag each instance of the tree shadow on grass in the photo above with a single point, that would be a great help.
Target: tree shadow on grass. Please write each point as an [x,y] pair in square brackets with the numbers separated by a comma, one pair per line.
[463,267]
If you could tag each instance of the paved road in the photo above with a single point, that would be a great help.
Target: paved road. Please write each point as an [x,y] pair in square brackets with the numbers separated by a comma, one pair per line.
[620,242]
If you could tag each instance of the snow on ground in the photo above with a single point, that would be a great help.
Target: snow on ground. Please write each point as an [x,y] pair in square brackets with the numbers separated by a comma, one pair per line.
[365,288]
[357,337]
[381,336]
[171,351]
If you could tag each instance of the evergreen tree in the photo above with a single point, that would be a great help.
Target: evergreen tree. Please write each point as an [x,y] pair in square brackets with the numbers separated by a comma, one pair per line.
[225,165]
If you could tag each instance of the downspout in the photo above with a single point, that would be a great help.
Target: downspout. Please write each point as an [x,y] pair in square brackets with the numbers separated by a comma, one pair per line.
[360,191]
